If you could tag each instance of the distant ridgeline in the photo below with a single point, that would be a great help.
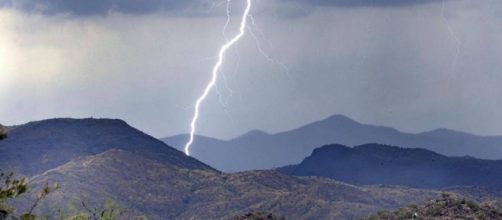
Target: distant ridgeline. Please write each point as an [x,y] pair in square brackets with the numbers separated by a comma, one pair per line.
[259,150]
[381,164]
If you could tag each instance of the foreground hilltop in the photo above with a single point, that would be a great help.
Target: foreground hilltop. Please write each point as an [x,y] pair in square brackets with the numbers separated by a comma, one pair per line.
[38,146]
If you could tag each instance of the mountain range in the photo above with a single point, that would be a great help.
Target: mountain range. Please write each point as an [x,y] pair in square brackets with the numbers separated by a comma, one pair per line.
[98,159]
[260,150]
[94,159]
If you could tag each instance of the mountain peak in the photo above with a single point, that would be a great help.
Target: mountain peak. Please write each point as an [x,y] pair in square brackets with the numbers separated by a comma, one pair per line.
[340,118]
[338,121]
[80,120]
[253,134]
[441,132]
[331,148]
[395,152]
[59,123]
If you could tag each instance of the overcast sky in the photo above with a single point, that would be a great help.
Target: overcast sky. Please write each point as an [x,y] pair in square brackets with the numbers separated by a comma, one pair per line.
[414,65]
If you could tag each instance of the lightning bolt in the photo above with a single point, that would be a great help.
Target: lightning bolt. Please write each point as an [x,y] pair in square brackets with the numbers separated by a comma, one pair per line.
[254,27]
[216,69]
[452,34]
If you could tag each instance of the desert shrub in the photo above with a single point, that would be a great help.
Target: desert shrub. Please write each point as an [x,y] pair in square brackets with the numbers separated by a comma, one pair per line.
[473,205]
[447,207]
[109,211]
[257,216]
[12,188]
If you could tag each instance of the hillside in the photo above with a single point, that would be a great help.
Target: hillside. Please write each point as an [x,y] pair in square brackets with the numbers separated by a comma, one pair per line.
[259,150]
[447,207]
[382,164]
[35,147]
[163,191]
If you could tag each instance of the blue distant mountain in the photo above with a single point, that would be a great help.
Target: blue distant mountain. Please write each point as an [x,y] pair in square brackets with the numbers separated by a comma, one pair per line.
[259,150]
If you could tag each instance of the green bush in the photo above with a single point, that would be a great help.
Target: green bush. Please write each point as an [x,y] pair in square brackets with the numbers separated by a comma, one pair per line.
[12,188]
[109,211]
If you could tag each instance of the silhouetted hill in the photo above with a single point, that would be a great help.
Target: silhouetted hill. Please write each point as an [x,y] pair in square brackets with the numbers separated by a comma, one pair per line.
[382,164]
[164,191]
[35,147]
[259,150]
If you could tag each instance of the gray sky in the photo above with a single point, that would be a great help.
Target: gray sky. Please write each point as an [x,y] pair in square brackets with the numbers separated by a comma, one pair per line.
[407,64]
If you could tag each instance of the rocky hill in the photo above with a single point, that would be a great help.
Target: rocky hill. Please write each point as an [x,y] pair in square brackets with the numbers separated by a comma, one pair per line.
[447,207]
[39,146]
[163,191]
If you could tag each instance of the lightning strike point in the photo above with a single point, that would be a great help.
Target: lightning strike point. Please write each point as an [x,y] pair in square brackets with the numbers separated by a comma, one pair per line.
[216,68]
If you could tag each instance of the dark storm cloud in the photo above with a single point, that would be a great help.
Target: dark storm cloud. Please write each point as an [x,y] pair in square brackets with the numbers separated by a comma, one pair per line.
[100,7]
[362,3]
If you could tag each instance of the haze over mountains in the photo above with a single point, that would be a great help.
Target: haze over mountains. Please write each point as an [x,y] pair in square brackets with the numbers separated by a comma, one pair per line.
[259,150]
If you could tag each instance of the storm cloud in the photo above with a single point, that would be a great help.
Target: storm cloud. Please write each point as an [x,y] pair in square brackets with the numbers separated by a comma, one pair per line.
[396,66]
[102,7]
[362,3]
[179,7]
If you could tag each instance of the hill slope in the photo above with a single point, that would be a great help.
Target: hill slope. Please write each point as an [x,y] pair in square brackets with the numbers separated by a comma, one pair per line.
[35,147]
[163,191]
[259,150]
[381,164]
[446,207]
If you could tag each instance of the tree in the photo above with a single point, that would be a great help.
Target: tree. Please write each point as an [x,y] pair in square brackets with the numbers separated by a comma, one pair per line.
[3,133]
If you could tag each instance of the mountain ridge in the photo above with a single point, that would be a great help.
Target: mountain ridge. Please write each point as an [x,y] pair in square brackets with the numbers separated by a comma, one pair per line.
[94,159]
[382,164]
[266,151]
[38,146]
[164,191]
